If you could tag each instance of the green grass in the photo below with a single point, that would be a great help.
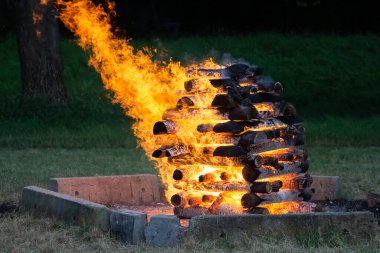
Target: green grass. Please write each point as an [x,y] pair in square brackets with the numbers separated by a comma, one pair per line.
[24,233]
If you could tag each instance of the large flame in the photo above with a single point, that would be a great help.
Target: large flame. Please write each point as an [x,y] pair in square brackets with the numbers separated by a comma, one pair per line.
[144,88]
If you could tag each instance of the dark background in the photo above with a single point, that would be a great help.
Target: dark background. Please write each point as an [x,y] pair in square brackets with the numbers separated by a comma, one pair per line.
[171,18]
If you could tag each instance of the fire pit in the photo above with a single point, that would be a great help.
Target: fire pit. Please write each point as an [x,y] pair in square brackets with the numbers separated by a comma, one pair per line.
[233,145]
[135,210]
[231,159]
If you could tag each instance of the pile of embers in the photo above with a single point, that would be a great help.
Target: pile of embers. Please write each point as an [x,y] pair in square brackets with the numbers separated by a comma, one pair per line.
[234,145]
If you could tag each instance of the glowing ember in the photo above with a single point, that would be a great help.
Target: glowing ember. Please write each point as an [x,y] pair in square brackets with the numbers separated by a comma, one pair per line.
[226,143]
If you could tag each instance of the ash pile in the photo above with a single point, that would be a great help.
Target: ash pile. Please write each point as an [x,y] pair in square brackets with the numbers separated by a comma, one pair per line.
[235,145]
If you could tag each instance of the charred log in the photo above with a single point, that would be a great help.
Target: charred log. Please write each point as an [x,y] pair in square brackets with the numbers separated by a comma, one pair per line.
[251,138]
[267,84]
[222,186]
[178,200]
[207,160]
[165,127]
[178,175]
[239,113]
[250,200]
[261,187]
[272,162]
[294,154]
[230,151]
[225,176]
[209,198]
[181,200]
[226,101]
[253,124]
[266,187]
[208,177]
[170,151]
[254,161]
[237,72]
[250,174]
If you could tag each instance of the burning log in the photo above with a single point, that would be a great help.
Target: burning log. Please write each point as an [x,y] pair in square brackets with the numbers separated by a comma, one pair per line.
[192,85]
[226,101]
[267,84]
[208,177]
[230,151]
[222,186]
[240,126]
[266,187]
[252,138]
[273,110]
[237,72]
[209,198]
[189,175]
[178,200]
[290,207]
[206,160]
[178,175]
[298,167]
[170,151]
[253,160]
[182,200]
[227,209]
[251,86]
[239,113]
[250,174]
[240,151]
[165,127]
[225,176]
[272,162]
[292,154]
[193,101]
[250,200]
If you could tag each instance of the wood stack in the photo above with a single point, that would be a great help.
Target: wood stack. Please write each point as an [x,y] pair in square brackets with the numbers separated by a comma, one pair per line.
[257,151]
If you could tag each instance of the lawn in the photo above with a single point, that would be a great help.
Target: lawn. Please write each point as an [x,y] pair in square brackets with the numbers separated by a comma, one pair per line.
[332,80]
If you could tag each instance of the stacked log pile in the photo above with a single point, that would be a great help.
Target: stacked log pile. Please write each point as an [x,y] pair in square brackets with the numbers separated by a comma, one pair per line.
[247,152]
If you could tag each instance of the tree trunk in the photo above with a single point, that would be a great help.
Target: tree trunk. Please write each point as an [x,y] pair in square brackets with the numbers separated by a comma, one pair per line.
[38,43]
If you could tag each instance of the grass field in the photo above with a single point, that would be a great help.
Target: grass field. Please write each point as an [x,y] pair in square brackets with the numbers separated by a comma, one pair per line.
[332,80]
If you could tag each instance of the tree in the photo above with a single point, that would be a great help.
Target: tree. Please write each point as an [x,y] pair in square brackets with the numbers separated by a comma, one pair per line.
[38,43]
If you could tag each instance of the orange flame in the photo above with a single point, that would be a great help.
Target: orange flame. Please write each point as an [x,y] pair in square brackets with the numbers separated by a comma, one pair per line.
[146,89]
[143,87]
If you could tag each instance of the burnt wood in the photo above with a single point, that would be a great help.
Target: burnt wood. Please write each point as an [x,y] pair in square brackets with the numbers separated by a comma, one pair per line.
[239,113]
[237,72]
[261,187]
[170,151]
[165,127]
[250,200]
[226,101]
